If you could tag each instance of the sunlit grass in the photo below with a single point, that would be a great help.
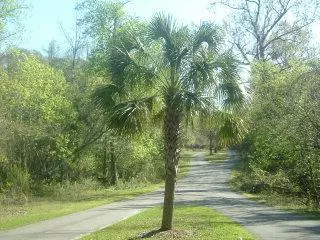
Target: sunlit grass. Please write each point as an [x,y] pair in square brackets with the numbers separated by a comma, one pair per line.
[190,222]
[288,203]
[185,162]
[38,209]
[220,156]
[291,203]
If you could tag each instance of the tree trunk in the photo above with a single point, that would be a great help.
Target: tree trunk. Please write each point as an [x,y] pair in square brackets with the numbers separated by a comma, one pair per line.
[314,191]
[171,136]
[61,171]
[167,215]
[104,167]
[210,144]
[113,165]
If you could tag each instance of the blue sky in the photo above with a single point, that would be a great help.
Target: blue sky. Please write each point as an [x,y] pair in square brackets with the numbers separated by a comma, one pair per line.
[45,16]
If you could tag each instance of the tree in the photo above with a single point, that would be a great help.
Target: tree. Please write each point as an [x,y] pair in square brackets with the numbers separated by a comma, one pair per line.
[282,147]
[100,21]
[36,121]
[223,128]
[258,26]
[10,11]
[76,46]
[175,71]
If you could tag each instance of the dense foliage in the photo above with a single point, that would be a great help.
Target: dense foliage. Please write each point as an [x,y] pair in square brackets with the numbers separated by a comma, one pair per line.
[282,148]
[51,133]
[120,114]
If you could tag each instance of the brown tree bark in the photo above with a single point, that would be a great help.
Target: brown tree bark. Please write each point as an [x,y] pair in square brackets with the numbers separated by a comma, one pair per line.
[171,144]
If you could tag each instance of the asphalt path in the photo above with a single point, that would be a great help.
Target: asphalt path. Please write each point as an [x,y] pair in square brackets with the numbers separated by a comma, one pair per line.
[206,185]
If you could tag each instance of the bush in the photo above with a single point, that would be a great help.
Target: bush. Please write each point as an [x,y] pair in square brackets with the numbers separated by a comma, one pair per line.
[16,185]
[65,191]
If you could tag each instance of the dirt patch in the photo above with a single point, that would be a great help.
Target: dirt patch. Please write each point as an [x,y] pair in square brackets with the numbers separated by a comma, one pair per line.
[170,234]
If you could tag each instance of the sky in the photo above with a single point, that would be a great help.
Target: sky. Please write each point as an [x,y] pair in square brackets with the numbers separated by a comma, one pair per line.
[45,17]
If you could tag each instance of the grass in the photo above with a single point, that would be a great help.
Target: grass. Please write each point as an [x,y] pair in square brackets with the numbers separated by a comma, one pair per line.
[38,209]
[217,157]
[292,204]
[288,203]
[191,222]
[185,159]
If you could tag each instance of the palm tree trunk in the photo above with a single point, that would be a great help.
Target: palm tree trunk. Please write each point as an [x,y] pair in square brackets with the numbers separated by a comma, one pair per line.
[171,144]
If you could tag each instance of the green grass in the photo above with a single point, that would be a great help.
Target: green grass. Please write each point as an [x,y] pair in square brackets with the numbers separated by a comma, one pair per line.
[38,209]
[191,222]
[292,204]
[220,156]
[288,203]
[184,166]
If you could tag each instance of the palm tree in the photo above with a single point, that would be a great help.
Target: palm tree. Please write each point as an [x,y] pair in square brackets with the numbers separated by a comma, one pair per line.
[223,127]
[174,71]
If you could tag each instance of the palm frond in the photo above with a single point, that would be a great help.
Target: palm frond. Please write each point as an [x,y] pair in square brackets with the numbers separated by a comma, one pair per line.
[128,59]
[104,96]
[231,96]
[231,128]
[161,26]
[228,90]
[207,33]
[129,117]
[201,72]
[175,38]
[193,103]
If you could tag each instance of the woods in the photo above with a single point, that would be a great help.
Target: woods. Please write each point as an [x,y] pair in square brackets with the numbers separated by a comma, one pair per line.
[282,149]
[117,108]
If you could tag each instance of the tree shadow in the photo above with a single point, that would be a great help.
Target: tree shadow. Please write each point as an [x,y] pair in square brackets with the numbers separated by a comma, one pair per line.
[170,234]
[146,235]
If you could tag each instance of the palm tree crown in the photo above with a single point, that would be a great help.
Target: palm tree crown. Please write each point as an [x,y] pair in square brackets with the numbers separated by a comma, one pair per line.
[174,70]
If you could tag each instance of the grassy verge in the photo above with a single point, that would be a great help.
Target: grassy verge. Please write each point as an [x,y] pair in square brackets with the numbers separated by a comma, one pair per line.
[185,159]
[192,222]
[294,204]
[291,204]
[38,209]
[217,157]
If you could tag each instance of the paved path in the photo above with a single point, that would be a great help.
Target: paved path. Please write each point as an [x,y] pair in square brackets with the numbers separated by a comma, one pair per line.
[207,184]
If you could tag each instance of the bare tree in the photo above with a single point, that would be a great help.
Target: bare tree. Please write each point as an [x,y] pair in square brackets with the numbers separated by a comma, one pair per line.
[258,27]
[76,46]
[52,51]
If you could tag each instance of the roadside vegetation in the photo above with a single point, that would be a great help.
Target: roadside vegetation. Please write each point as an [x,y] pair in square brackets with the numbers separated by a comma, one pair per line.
[107,118]
[242,181]
[73,197]
[70,199]
[191,222]
[280,155]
